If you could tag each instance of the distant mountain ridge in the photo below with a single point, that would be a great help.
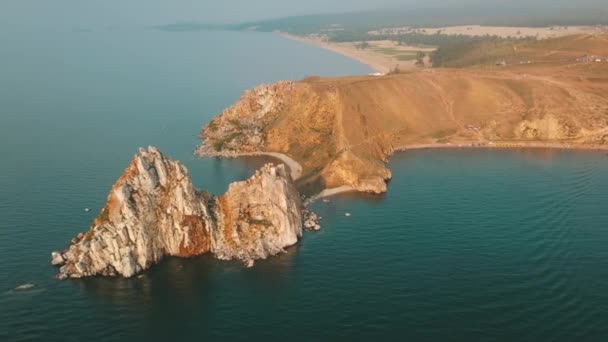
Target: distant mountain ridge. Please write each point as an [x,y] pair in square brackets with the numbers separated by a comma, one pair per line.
[506,14]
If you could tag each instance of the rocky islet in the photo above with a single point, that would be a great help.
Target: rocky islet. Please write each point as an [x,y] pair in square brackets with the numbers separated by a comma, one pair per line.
[153,211]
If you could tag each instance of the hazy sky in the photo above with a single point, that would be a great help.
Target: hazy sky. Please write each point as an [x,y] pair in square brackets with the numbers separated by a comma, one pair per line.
[151,12]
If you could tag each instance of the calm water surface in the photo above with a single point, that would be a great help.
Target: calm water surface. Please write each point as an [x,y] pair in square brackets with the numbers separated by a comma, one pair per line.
[466,245]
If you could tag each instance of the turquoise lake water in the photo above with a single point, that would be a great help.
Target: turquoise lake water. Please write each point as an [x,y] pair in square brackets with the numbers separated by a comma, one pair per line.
[467,245]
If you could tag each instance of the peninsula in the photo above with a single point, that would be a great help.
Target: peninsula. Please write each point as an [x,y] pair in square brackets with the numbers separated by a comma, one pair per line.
[546,93]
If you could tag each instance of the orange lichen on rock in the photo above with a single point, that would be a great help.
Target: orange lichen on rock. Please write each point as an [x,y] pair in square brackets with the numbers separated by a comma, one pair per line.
[198,241]
[227,220]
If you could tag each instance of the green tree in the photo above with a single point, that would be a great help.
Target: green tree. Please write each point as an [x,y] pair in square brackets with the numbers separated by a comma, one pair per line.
[420,58]
[362,46]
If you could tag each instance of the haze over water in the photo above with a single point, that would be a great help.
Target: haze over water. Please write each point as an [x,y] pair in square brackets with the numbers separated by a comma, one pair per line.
[466,245]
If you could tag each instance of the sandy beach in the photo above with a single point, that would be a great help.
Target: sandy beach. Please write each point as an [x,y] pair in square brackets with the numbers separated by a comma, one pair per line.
[333,191]
[378,61]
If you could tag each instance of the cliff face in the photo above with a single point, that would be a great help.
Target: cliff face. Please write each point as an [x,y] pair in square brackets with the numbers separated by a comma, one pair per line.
[303,120]
[342,130]
[242,126]
[153,210]
[259,216]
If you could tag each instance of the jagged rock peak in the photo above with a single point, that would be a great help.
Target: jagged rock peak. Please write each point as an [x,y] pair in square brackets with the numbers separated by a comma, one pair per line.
[153,210]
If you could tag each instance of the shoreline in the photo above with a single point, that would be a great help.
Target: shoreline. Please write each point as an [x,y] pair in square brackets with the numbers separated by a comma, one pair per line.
[332,192]
[347,188]
[296,169]
[498,146]
[503,146]
[372,63]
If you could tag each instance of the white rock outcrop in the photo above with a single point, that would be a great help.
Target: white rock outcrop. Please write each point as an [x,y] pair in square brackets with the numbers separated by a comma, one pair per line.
[153,210]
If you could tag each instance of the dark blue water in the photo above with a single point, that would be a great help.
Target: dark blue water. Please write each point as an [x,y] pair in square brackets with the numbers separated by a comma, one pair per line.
[466,245]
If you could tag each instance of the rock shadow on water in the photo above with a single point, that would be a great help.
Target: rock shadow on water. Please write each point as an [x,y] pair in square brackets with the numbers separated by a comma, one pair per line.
[272,276]
[183,278]
[190,281]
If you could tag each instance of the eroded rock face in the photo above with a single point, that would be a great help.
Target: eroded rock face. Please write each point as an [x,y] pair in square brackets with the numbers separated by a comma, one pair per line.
[260,216]
[241,127]
[153,210]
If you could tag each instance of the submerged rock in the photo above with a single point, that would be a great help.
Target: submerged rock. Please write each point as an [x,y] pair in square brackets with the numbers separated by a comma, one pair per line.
[153,211]
[57,259]
[24,287]
[311,220]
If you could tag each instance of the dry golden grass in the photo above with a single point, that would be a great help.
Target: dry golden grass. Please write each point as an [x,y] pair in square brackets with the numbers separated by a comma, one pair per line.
[558,51]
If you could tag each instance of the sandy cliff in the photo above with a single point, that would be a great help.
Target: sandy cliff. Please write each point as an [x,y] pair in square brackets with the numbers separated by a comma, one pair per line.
[153,211]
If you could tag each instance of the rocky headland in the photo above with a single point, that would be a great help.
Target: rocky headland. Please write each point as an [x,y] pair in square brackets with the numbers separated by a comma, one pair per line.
[343,130]
[153,211]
